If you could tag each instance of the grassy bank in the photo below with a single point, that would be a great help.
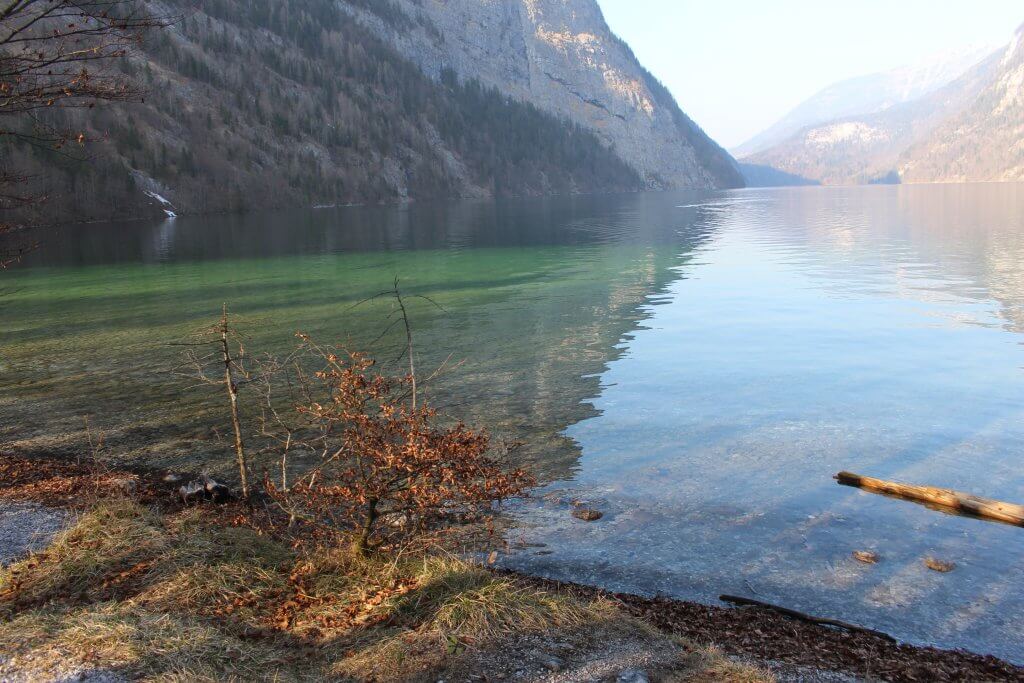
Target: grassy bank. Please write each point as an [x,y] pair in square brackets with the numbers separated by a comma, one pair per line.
[182,595]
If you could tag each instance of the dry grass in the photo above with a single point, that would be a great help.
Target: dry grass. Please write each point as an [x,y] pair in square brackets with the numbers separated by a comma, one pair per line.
[708,665]
[459,610]
[123,637]
[182,598]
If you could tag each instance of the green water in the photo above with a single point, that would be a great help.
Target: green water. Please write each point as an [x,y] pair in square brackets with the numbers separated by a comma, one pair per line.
[528,326]
[698,367]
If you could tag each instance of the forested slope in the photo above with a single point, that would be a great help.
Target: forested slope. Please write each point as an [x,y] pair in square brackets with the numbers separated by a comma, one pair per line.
[266,103]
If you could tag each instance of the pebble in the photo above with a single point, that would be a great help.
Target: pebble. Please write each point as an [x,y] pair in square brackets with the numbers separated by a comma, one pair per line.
[939,565]
[587,514]
[865,556]
[632,676]
[553,664]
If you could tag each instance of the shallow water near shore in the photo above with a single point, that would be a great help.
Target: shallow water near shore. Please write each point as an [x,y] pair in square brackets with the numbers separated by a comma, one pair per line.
[696,366]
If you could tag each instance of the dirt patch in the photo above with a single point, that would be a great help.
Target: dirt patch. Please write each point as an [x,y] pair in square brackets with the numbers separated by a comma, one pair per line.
[62,484]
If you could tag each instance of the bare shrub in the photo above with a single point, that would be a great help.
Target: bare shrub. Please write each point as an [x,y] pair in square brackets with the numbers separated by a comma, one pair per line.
[380,458]
[223,366]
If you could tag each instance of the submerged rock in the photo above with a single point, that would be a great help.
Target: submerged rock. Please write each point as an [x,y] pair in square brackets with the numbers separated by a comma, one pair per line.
[939,565]
[587,514]
[865,556]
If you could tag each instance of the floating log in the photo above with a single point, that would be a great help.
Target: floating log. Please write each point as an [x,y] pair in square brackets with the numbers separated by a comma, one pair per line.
[945,498]
[750,602]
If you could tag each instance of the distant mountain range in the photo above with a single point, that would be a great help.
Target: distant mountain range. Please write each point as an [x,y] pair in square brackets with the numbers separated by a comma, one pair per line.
[969,128]
[869,94]
[273,103]
[983,140]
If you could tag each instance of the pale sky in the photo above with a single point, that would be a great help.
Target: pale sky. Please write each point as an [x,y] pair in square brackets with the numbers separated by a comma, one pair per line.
[736,66]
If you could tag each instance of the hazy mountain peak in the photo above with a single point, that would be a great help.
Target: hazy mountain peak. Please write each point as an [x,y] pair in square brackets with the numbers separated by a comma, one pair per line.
[979,142]
[870,93]
[967,130]
[1014,46]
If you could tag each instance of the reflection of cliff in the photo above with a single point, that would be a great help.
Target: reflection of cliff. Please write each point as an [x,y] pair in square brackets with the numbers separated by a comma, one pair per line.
[550,357]
[983,240]
[559,221]
[537,296]
[928,243]
[1005,278]
[535,348]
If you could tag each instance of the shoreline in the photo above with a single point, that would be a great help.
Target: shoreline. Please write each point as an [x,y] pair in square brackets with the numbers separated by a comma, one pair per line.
[765,635]
[746,633]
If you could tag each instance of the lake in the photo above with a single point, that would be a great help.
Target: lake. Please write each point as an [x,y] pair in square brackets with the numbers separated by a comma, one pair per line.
[695,365]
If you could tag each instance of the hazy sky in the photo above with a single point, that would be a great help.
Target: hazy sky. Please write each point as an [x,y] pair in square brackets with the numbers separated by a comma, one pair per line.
[736,66]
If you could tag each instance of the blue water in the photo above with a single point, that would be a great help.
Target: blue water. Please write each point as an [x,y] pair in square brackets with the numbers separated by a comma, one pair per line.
[696,366]
[872,330]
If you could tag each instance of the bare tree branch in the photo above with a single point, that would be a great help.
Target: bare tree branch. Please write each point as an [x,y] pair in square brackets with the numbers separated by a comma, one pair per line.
[54,55]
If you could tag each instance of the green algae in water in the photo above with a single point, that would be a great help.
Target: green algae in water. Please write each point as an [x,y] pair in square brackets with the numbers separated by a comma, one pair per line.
[528,328]
[695,367]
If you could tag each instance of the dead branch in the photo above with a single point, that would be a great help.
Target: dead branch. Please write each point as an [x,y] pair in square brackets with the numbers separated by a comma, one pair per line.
[750,602]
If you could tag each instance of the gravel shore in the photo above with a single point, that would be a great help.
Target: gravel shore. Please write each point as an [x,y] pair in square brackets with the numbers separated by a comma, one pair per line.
[27,527]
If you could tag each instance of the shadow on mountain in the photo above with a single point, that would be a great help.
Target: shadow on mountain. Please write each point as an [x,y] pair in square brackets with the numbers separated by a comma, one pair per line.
[890,178]
[758,175]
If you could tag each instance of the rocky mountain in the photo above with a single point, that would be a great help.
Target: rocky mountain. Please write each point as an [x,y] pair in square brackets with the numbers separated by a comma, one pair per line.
[268,103]
[869,94]
[561,56]
[878,147]
[985,140]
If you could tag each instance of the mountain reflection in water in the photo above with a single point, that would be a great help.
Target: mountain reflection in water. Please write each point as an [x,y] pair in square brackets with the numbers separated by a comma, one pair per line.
[698,366]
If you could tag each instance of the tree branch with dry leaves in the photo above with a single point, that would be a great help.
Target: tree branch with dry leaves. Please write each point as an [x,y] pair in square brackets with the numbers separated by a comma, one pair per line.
[381,458]
[58,55]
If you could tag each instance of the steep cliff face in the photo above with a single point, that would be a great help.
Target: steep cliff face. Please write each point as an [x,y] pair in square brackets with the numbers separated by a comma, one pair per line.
[275,103]
[560,56]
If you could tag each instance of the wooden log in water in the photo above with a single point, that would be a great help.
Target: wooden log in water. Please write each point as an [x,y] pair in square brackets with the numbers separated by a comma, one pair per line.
[955,500]
[750,602]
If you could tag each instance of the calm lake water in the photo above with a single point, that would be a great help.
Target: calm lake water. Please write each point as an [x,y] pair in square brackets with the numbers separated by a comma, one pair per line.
[697,366]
